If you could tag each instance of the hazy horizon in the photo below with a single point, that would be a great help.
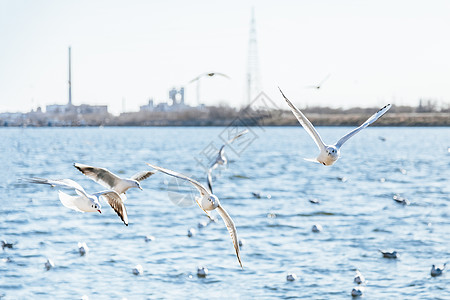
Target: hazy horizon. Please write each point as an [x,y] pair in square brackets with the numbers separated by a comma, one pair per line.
[376,52]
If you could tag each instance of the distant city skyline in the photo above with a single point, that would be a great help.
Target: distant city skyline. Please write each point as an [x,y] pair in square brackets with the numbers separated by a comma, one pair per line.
[376,52]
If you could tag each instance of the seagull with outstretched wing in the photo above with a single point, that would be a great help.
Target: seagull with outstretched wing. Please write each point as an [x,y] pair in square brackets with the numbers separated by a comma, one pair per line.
[208,202]
[84,202]
[329,154]
[221,159]
[112,181]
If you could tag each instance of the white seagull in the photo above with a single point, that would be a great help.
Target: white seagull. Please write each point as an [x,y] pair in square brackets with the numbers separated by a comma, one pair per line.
[111,180]
[221,159]
[210,74]
[329,154]
[85,202]
[318,86]
[437,271]
[208,202]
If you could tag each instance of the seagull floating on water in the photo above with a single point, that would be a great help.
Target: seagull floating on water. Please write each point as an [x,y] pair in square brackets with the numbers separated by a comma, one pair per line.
[49,264]
[149,238]
[437,271]
[359,278]
[356,292]
[400,200]
[387,254]
[291,277]
[208,202]
[221,159]
[84,202]
[112,181]
[191,232]
[314,201]
[329,154]
[138,270]
[202,272]
[317,228]
[83,248]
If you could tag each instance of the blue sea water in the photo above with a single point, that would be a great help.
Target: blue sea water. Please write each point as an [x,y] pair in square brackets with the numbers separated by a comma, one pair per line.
[356,210]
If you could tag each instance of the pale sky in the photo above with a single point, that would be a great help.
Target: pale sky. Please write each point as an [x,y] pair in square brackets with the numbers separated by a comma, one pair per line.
[377,52]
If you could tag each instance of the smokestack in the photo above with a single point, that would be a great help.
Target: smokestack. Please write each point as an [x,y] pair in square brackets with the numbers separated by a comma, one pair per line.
[70,80]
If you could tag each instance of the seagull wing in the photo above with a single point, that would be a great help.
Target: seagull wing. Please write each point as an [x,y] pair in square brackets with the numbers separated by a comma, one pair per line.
[221,74]
[61,183]
[209,179]
[305,123]
[116,203]
[323,80]
[203,191]
[142,175]
[231,229]
[99,175]
[237,136]
[369,121]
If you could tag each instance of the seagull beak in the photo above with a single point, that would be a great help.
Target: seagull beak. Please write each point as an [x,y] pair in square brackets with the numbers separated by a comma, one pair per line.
[99,210]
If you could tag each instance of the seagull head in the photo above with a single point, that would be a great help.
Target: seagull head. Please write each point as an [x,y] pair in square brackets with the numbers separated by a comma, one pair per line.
[95,205]
[332,151]
[212,202]
[137,184]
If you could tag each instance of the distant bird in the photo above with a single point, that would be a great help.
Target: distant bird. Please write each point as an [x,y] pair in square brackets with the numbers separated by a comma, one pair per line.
[356,292]
[382,138]
[49,264]
[256,195]
[149,238]
[208,202]
[111,180]
[400,200]
[317,228]
[202,224]
[210,74]
[138,270]
[202,272]
[329,154]
[221,159]
[291,277]
[5,244]
[191,232]
[392,254]
[437,271]
[83,248]
[241,242]
[359,278]
[314,201]
[318,86]
[84,202]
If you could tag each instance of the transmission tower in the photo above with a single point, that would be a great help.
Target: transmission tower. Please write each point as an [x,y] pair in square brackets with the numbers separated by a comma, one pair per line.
[253,77]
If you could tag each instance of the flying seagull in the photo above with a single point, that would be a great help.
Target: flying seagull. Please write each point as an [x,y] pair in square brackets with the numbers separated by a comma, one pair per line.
[221,158]
[84,202]
[208,202]
[318,86]
[211,74]
[112,181]
[329,154]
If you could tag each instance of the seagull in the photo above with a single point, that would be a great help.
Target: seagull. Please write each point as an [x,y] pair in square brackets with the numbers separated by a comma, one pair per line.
[320,83]
[112,181]
[437,271]
[210,74]
[202,272]
[392,254]
[138,270]
[5,244]
[356,292]
[208,202]
[83,248]
[85,202]
[49,264]
[359,278]
[329,154]
[291,277]
[317,228]
[401,200]
[221,158]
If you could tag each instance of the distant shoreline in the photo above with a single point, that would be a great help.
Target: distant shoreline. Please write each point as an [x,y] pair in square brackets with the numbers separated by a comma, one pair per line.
[278,119]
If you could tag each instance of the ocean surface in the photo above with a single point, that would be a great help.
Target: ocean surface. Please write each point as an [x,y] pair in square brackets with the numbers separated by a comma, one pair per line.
[356,210]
